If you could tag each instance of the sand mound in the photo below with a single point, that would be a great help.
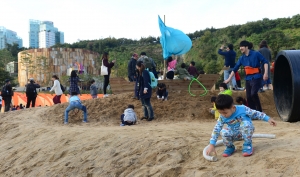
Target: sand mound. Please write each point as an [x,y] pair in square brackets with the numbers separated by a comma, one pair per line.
[179,107]
[34,142]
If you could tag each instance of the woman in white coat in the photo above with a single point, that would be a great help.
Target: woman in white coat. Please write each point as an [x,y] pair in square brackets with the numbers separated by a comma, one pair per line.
[57,89]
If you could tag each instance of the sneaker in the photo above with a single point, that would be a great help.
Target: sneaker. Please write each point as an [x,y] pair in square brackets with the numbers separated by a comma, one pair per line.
[265,88]
[106,95]
[228,151]
[261,90]
[84,121]
[121,125]
[241,88]
[144,118]
[247,150]
[65,122]
[165,99]
[150,119]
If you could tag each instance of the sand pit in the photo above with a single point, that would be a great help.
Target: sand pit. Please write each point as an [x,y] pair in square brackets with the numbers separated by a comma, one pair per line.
[34,142]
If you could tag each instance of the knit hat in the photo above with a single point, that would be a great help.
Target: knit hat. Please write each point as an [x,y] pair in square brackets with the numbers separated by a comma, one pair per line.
[143,53]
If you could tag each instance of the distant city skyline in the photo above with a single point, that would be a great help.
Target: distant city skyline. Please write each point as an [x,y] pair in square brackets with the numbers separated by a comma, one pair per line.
[8,36]
[133,19]
[43,34]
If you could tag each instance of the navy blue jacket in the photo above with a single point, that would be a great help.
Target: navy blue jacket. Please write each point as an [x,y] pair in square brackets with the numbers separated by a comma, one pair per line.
[144,82]
[229,57]
[254,59]
[132,67]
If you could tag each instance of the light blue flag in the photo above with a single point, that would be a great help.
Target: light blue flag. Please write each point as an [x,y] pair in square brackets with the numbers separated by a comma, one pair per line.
[173,41]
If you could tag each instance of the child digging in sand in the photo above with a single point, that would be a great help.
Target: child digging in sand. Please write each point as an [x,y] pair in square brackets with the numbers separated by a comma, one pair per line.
[162,93]
[239,126]
[75,103]
[129,116]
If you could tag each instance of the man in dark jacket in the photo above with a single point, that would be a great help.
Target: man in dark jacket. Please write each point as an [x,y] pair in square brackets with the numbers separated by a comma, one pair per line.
[31,92]
[7,94]
[132,68]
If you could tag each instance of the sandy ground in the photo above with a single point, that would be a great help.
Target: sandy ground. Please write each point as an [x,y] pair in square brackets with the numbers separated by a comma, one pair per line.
[34,142]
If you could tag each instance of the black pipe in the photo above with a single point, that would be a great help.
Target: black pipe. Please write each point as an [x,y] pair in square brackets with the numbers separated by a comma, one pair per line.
[287,85]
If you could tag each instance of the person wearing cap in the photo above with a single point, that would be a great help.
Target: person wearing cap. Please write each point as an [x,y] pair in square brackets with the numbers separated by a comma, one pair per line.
[251,61]
[31,92]
[132,67]
[7,94]
[144,58]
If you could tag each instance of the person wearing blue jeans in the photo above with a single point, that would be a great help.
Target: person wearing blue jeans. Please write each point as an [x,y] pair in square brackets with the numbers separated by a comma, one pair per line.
[251,61]
[144,90]
[229,55]
[75,103]
[226,76]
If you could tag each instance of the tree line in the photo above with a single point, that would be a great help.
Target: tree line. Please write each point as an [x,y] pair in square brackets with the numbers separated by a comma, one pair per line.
[281,33]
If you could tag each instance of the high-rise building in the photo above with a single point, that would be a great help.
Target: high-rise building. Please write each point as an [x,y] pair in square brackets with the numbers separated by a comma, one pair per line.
[43,34]
[9,37]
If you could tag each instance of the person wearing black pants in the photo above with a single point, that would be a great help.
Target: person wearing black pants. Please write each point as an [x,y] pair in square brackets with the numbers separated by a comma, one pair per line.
[7,94]
[105,84]
[254,86]
[251,61]
[31,93]
[105,58]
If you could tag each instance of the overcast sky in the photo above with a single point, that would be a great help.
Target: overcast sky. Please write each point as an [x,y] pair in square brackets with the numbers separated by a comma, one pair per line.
[95,19]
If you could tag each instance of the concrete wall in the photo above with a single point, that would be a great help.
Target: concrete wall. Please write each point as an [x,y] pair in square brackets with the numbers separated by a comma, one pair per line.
[58,61]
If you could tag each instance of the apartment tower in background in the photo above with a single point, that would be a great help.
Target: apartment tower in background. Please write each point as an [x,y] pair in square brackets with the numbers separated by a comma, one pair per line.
[43,34]
[9,37]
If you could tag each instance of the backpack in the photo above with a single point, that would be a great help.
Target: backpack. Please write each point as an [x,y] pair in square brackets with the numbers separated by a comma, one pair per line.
[148,63]
[63,89]
[5,92]
[153,80]
[31,90]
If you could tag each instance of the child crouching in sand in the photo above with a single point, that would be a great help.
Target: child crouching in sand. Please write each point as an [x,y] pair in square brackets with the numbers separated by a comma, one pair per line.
[239,126]
[129,116]
[214,110]
[75,103]
[162,93]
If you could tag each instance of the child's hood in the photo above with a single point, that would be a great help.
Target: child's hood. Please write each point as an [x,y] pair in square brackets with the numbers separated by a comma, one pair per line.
[129,111]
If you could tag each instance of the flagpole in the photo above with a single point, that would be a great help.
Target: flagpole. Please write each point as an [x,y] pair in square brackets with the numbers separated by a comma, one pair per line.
[164,75]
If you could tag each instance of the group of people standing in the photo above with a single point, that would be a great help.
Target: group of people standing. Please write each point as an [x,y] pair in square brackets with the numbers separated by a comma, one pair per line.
[257,69]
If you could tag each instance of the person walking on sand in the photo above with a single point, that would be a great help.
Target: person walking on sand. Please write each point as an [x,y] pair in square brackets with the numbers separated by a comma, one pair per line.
[31,92]
[57,89]
[105,58]
[145,91]
[251,61]
[7,94]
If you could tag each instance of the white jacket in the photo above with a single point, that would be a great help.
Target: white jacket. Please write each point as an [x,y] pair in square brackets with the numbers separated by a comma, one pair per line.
[129,115]
[56,87]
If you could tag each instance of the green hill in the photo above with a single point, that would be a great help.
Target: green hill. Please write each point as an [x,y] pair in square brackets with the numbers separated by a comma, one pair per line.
[281,33]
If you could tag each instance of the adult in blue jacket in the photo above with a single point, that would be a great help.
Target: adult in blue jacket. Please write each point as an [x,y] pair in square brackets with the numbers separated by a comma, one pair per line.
[144,90]
[229,55]
[251,61]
